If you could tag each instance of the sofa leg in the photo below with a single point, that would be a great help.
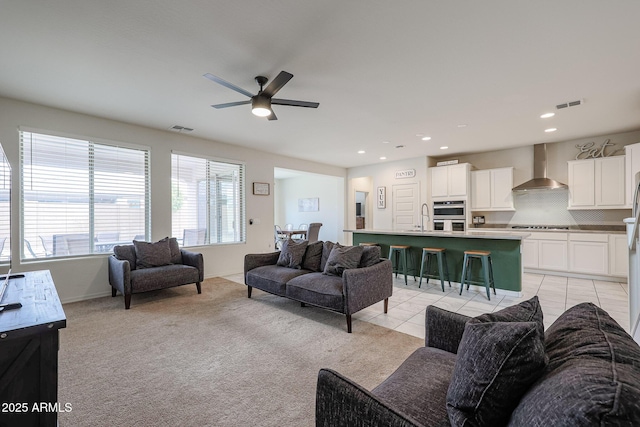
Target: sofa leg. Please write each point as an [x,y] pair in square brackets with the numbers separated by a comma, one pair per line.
[348,323]
[198,287]
[127,301]
[386,304]
[303,304]
[113,292]
[249,291]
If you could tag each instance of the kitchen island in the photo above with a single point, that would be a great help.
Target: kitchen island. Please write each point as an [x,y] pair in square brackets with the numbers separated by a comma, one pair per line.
[505,250]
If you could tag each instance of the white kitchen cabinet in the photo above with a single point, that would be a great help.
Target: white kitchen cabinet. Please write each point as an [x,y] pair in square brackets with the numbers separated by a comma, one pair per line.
[545,251]
[632,166]
[491,189]
[450,181]
[589,253]
[481,190]
[597,183]
[618,255]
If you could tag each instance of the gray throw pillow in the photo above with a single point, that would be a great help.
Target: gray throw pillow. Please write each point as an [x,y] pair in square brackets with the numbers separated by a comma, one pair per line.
[313,256]
[370,256]
[497,363]
[176,255]
[126,253]
[343,258]
[326,251]
[152,254]
[291,253]
[526,311]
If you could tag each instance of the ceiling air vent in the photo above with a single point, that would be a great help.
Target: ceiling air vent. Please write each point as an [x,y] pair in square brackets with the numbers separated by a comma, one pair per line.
[179,128]
[569,104]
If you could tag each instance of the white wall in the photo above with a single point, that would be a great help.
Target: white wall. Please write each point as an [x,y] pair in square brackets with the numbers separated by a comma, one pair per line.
[87,277]
[369,178]
[330,192]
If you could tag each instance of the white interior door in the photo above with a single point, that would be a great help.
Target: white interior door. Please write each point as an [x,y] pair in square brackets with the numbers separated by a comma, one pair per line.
[406,206]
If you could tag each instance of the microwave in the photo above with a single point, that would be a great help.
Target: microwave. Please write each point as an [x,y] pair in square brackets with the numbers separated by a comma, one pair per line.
[449,209]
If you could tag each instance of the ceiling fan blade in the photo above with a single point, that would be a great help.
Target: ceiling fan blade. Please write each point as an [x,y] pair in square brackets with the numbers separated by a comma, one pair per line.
[272,116]
[227,84]
[277,83]
[294,103]
[231,104]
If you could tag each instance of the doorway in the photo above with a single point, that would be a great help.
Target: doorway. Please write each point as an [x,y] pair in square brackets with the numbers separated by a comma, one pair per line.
[361,209]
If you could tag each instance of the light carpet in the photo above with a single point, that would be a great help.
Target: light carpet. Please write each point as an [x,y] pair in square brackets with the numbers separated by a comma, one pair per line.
[177,358]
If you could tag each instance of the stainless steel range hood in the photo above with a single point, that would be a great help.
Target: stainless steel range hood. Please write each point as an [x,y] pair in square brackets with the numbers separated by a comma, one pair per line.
[540,180]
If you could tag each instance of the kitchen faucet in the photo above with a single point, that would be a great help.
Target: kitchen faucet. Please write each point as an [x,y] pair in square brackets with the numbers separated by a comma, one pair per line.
[422,215]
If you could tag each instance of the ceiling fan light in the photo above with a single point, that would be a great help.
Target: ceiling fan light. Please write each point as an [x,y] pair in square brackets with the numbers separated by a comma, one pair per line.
[261,106]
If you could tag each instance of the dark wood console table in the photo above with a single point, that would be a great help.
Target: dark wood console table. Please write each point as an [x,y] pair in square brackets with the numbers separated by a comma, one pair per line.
[29,351]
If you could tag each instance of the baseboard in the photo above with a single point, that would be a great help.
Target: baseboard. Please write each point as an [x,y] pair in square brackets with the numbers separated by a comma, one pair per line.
[617,279]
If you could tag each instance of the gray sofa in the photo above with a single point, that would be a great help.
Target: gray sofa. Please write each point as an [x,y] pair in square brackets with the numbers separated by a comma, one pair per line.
[583,371]
[314,275]
[144,266]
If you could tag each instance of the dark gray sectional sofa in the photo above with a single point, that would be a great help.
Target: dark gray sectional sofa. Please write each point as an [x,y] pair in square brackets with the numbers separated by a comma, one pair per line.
[500,369]
[310,274]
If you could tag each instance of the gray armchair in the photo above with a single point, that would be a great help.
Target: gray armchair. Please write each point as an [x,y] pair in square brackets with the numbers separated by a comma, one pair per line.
[129,276]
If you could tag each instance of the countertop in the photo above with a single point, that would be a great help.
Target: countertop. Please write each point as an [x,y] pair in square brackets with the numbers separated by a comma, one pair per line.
[556,230]
[504,234]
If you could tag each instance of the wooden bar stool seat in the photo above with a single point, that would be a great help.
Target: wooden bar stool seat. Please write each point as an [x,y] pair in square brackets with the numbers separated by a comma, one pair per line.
[399,253]
[486,269]
[443,269]
[368,244]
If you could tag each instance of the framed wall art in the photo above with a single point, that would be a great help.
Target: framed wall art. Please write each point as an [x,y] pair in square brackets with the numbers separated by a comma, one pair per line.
[261,188]
[309,205]
[381,197]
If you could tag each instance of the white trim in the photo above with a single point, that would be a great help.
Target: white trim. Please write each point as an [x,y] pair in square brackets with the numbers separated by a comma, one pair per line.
[206,157]
[86,138]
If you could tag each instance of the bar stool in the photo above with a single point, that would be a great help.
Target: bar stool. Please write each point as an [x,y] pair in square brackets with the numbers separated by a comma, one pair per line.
[486,267]
[397,253]
[443,268]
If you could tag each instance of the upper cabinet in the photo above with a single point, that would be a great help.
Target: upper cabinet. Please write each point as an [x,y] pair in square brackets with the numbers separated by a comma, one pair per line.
[450,181]
[632,167]
[597,183]
[491,189]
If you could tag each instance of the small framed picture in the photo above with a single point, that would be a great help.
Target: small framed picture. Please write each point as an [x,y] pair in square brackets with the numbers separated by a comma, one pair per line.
[261,188]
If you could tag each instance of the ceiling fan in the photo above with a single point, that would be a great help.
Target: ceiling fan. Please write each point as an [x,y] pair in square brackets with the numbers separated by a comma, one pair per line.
[261,102]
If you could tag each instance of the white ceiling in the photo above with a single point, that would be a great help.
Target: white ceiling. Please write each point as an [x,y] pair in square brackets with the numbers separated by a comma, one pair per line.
[381,70]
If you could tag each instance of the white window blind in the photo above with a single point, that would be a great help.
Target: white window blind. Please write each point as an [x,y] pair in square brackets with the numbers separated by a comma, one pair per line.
[5,209]
[81,197]
[208,201]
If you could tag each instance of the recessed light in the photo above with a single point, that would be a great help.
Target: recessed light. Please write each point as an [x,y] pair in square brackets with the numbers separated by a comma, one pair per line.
[462,125]
[426,138]
[547,115]
[361,152]
[385,142]
[444,147]
[383,158]
[551,130]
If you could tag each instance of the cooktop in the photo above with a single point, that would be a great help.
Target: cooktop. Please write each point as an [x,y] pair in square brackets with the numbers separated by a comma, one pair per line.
[540,227]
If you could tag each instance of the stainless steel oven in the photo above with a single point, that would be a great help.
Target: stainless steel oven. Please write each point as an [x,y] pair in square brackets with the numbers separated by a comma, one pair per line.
[449,215]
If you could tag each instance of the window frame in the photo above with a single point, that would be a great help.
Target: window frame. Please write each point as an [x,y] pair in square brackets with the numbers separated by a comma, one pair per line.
[92,142]
[208,182]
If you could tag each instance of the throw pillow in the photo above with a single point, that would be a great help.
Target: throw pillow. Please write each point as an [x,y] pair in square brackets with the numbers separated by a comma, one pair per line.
[497,363]
[370,256]
[126,252]
[176,255]
[326,251]
[313,256]
[343,258]
[152,254]
[527,311]
[291,253]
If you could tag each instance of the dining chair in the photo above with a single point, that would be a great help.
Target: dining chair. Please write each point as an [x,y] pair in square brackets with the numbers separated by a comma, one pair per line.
[301,236]
[280,237]
[288,227]
[314,230]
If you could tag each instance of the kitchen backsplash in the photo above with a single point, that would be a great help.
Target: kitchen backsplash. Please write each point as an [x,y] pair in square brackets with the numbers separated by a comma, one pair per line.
[550,208]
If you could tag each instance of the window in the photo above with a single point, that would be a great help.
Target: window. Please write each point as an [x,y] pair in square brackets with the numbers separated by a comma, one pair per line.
[207,200]
[5,209]
[80,197]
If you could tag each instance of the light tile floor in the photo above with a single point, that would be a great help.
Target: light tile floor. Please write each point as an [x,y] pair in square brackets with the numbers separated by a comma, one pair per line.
[408,304]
